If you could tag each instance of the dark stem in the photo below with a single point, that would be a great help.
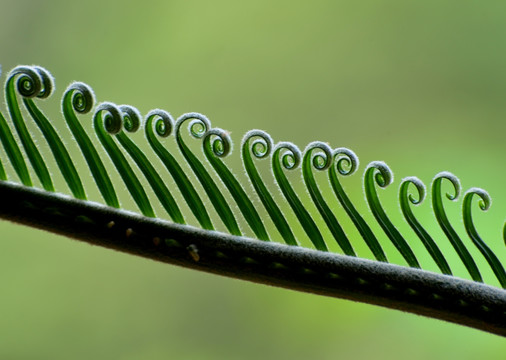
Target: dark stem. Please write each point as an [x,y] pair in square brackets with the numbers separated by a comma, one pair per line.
[413,290]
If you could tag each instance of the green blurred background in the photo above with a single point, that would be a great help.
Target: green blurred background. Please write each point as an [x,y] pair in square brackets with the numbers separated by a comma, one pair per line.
[419,85]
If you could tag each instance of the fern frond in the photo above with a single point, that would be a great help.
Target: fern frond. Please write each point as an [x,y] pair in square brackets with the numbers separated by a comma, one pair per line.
[167,237]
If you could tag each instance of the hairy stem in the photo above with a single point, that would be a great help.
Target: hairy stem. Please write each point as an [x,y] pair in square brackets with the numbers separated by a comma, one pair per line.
[413,290]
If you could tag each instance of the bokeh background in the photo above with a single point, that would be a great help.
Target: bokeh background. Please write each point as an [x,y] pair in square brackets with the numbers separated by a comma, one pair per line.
[420,85]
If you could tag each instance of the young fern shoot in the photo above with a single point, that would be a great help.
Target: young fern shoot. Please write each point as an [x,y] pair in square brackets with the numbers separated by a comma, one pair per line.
[211,191]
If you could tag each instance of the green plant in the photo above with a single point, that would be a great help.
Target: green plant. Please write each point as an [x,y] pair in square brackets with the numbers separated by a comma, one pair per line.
[378,282]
